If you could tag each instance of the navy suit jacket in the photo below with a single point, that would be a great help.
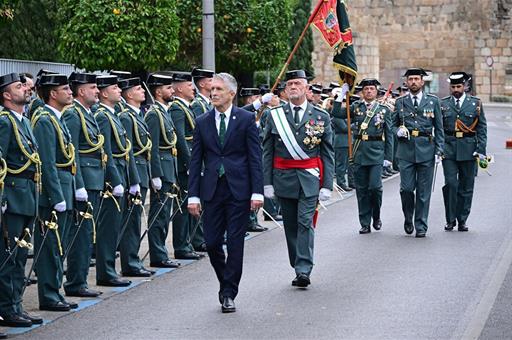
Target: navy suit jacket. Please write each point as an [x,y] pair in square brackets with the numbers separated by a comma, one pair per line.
[240,155]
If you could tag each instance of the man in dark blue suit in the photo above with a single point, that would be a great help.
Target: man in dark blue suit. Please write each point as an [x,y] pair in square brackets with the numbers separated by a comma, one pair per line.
[226,141]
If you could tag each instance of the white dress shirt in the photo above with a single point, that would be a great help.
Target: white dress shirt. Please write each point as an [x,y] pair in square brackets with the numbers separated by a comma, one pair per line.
[54,110]
[418,95]
[461,99]
[303,107]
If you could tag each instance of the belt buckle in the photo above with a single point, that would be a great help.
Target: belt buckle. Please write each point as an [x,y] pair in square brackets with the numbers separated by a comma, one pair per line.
[364,137]
[459,134]
[415,133]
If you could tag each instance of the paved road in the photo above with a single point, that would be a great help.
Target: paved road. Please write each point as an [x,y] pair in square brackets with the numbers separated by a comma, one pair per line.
[384,285]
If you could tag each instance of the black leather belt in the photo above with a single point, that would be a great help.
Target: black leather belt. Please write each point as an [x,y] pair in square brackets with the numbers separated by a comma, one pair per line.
[25,174]
[459,134]
[66,168]
[417,133]
[95,155]
[369,138]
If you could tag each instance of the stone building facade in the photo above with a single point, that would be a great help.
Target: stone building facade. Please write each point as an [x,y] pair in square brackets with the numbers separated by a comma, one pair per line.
[439,35]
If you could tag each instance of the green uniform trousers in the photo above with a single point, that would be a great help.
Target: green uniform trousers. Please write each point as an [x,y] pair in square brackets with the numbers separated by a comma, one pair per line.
[49,266]
[108,227]
[12,274]
[298,227]
[129,244]
[415,190]
[79,254]
[158,222]
[183,222]
[341,165]
[459,182]
[368,182]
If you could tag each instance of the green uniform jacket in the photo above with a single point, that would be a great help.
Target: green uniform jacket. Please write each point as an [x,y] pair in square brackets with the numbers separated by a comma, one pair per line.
[118,170]
[184,121]
[340,129]
[18,192]
[369,152]
[288,183]
[462,149]
[138,134]
[57,182]
[425,118]
[35,104]
[161,128]
[200,105]
[89,169]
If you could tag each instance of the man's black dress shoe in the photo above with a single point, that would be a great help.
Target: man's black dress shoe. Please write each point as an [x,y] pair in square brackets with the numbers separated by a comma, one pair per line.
[377,224]
[117,282]
[201,248]
[35,319]
[420,235]
[187,256]
[365,229]
[228,305]
[72,305]
[30,281]
[449,226]
[138,273]
[56,307]
[165,264]
[15,321]
[462,227]
[409,228]
[85,292]
[345,187]
[275,217]
[256,228]
[149,270]
[302,281]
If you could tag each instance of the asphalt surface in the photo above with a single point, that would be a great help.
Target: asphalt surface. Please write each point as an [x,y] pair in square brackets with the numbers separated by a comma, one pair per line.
[384,285]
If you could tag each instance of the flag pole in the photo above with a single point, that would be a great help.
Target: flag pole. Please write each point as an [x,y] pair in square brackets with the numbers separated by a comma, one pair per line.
[347,101]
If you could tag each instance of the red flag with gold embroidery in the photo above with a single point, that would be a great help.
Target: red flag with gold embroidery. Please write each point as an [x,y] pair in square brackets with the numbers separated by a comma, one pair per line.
[326,21]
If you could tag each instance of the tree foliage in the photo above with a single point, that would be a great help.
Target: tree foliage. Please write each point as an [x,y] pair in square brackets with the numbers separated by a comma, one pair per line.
[128,35]
[249,35]
[29,30]
[302,58]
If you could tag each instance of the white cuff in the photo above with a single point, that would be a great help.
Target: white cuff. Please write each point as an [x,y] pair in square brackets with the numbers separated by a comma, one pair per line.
[257,197]
[194,200]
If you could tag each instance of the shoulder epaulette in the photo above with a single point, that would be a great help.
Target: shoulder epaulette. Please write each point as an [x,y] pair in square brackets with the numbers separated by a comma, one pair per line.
[320,109]
[446,98]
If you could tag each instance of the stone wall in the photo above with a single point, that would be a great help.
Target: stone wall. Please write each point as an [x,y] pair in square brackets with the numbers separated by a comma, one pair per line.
[439,35]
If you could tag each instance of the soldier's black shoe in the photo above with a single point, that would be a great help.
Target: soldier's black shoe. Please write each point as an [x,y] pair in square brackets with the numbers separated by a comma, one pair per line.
[165,264]
[187,256]
[201,248]
[377,224]
[302,281]
[345,187]
[15,321]
[3,336]
[117,282]
[228,305]
[56,307]
[138,273]
[420,234]
[256,228]
[409,228]
[365,229]
[462,227]
[71,304]
[275,217]
[449,226]
[35,319]
[85,292]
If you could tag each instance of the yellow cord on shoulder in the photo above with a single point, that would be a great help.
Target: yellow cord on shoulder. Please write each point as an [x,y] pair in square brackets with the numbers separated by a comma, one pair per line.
[94,146]
[68,150]
[187,113]
[170,144]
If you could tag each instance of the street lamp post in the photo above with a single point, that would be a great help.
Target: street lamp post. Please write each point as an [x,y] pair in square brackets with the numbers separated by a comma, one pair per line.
[209,34]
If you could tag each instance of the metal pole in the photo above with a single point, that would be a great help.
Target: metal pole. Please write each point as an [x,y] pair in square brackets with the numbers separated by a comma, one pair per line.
[209,34]
[490,84]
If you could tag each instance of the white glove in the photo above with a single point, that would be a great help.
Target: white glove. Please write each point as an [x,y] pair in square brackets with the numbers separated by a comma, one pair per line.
[118,191]
[479,155]
[438,158]
[4,207]
[402,132]
[268,191]
[324,195]
[386,163]
[267,97]
[156,183]
[134,189]
[60,207]
[257,104]
[81,195]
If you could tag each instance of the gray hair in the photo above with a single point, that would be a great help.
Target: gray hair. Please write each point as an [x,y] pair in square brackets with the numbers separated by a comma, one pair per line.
[228,79]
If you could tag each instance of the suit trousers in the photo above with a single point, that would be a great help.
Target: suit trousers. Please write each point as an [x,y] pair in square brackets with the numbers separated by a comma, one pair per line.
[368,191]
[224,214]
[459,179]
[415,190]
[12,274]
[298,227]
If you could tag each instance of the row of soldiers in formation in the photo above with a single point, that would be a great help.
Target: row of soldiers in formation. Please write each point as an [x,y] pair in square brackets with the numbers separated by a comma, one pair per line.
[79,171]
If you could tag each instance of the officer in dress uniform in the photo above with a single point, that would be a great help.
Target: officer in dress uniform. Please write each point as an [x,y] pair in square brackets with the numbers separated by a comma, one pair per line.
[36,102]
[19,198]
[140,138]
[120,174]
[163,170]
[184,224]
[89,179]
[298,163]
[372,150]
[121,75]
[58,187]
[465,139]
[416,115]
